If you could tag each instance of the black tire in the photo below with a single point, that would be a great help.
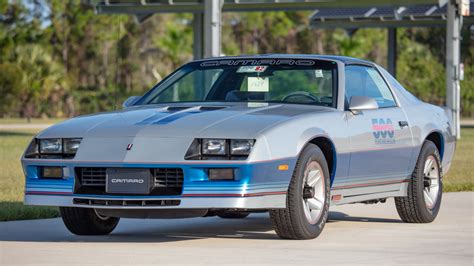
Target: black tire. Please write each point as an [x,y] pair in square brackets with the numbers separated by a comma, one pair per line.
[413,208]
[85,221]
[233,215]
[291,222]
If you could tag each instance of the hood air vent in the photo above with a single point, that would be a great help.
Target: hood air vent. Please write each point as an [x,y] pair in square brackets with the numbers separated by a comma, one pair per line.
[176,108]
[211,108]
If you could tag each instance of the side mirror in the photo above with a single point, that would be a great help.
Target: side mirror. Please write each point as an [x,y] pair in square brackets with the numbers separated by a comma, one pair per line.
[130,101]
[361,103]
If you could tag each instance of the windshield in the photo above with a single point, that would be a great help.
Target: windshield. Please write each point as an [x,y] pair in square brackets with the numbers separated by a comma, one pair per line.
[307,82]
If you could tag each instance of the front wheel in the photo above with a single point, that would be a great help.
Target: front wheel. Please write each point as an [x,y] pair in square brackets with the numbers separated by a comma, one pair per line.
[425,189]
[86,221]
[307,203]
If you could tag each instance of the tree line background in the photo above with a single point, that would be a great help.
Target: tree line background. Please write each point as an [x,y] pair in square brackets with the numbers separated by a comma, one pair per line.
[60,59]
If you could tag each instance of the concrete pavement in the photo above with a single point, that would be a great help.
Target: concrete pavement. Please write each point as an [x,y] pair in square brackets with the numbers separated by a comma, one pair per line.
[24,126]
[356,234]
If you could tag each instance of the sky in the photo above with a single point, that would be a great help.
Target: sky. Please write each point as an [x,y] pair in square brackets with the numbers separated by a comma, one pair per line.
[38,8]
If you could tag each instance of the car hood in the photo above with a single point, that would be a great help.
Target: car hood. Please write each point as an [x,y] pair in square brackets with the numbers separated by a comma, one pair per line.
[219,120]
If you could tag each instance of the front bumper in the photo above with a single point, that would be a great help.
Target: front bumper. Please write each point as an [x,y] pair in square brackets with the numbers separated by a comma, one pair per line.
[258,185]
[271,201]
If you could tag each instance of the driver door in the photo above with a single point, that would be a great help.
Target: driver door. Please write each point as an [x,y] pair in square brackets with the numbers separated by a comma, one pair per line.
[381,140]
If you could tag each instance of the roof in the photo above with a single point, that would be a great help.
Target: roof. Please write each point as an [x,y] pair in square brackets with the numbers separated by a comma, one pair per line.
[384,16]
[343,59]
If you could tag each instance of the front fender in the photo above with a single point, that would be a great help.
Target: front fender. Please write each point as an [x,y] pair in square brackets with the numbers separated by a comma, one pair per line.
[308,135]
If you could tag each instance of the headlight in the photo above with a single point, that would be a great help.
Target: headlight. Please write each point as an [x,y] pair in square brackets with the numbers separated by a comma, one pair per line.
[50,146]
[71,145]
[219,149]
[54,148]
[241,146]
[214,147]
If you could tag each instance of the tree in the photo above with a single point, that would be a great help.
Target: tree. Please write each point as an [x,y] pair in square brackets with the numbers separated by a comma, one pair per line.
[40,77]
[10,86]
[59,58]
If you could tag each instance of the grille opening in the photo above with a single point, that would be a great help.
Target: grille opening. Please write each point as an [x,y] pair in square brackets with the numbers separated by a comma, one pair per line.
[165,181]
[93,176]
[114,203]
[99,202]
[131,203]
[168,177]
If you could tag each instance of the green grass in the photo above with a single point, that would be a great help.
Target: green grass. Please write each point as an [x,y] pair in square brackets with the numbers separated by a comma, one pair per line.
[12,183]
[13,143]
[461,174]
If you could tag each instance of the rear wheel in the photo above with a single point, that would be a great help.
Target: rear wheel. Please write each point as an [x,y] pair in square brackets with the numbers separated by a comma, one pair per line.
[425,189]
[233,214]
[307,205]
[86,221]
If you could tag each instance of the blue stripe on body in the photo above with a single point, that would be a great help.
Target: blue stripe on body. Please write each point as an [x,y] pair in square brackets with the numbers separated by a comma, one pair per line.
[175,117]
[165,117]
[153,118]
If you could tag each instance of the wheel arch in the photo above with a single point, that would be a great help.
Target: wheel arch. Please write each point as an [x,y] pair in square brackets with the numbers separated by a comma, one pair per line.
[437,138]
[327,147]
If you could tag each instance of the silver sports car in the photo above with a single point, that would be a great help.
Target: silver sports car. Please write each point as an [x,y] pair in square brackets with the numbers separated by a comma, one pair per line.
[227,136]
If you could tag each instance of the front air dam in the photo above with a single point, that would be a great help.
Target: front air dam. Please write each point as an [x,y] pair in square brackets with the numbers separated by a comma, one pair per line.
[153,213]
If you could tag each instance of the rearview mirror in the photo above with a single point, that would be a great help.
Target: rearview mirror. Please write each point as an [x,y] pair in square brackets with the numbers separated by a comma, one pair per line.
[361,103]
[130,101]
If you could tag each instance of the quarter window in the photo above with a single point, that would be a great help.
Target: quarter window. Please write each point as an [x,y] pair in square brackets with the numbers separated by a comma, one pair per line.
[366,81]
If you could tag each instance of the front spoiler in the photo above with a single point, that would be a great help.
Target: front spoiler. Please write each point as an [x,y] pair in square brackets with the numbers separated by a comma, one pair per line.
[274,201]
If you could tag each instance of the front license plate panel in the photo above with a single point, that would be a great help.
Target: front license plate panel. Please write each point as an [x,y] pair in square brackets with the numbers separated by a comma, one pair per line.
[128,181]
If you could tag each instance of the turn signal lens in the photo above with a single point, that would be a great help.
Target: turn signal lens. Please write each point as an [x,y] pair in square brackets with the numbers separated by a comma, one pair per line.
[51,172]
[221,174]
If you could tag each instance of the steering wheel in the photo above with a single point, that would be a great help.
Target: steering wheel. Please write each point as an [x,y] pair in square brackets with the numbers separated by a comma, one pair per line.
[299,94]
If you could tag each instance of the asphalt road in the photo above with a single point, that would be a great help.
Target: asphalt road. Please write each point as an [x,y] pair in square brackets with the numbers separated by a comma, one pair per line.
[356,234]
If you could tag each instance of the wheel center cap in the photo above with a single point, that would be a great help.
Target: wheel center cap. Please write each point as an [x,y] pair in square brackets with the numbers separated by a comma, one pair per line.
[308,192]
[427,182]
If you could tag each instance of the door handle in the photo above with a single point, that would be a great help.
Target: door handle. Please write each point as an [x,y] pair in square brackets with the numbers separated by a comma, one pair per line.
[402,124]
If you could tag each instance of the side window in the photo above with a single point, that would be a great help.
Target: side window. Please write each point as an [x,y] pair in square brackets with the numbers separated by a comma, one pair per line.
[399,88]
[366,81]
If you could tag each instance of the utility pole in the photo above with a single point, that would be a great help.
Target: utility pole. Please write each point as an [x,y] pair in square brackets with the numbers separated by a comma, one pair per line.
[453,57]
